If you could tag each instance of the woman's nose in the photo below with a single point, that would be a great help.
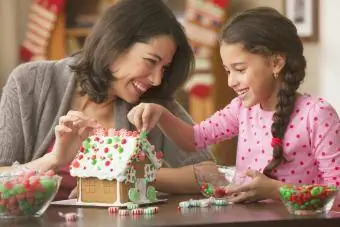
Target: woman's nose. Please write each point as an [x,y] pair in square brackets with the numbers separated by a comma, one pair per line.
[156,77]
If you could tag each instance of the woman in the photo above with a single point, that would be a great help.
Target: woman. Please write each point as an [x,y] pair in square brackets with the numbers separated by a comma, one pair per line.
[136,52]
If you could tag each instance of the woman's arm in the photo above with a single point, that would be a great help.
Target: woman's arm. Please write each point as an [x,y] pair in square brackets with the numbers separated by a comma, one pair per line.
[47,162]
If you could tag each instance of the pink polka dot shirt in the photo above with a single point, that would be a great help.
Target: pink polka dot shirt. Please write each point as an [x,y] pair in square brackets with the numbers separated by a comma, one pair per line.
[311,141]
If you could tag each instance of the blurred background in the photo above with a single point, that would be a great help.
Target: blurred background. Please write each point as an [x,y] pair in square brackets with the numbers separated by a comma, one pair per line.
[52,29]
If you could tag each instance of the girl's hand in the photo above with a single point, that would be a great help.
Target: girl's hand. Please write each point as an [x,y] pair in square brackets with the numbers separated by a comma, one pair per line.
[260,187]
[145,116]
[71,131]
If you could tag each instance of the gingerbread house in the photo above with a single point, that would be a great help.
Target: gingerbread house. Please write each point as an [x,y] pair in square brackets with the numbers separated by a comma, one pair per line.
[116,167]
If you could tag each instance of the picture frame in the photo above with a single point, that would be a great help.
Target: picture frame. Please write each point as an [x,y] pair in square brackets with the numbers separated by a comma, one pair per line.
[305,16]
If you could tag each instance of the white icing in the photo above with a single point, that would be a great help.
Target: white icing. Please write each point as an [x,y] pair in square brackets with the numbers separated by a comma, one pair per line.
[149,173]
[141,186]
[118,162]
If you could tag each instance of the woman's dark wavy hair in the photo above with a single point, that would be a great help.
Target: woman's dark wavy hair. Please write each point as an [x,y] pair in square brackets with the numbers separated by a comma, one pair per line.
[266,32]
[122,25]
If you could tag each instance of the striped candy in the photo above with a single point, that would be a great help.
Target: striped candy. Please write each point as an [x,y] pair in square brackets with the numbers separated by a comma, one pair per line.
[137,211]
[113,210]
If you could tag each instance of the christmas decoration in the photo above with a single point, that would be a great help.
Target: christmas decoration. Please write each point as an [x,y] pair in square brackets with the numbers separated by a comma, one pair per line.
[203,20]
[41,22]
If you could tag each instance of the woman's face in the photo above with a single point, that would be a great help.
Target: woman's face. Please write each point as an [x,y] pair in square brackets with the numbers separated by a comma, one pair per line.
[141,67]
[251,75]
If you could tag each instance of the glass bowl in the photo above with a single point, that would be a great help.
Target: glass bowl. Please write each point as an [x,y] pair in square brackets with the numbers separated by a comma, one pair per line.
[308,199]
[27,194]
[211,180]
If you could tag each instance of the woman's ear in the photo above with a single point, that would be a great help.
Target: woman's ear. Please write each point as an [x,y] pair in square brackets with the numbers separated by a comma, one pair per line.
[278,61]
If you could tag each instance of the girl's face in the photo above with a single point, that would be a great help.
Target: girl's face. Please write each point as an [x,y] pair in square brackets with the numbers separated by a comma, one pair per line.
[141,67]
[251,76]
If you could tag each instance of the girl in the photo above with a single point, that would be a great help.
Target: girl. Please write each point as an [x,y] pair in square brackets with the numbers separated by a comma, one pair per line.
[283,136]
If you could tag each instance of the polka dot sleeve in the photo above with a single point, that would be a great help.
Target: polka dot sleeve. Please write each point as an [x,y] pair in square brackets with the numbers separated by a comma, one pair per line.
[220,126]
[324,127]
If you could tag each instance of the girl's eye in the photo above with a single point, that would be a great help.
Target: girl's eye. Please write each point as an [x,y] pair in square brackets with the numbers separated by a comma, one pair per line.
[227,72]
[240,70]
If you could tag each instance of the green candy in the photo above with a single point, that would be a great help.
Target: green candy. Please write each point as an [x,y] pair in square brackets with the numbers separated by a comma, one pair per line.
[134,195]
[109,141]
[87,145]
[19,188]
[143,135]
[151,193]
[315,202]
[5,194]
[120,149]
[24,205]
[39,195]
[94,161]
[315,191]
[12,192]
[48,185]
[2,209]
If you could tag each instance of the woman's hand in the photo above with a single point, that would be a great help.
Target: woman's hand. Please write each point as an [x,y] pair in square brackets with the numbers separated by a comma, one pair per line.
[260,187]
[71,131]
[145,116]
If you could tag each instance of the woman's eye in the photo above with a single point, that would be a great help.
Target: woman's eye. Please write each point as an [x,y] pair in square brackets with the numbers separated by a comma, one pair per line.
[151,61]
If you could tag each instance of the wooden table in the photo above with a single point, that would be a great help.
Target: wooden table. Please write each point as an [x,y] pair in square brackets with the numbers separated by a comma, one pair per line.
[238,215]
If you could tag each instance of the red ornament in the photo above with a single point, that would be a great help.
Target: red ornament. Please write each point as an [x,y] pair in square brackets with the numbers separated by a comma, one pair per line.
[106,149]
[141,156]
[221,3]
[75,164]
[159,154]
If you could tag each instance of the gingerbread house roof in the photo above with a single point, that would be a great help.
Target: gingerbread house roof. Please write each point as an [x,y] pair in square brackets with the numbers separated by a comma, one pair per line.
[108,154]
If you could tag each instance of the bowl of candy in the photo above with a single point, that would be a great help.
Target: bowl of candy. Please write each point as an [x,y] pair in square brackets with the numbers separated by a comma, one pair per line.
[212,180]
[308,199]
[26,192]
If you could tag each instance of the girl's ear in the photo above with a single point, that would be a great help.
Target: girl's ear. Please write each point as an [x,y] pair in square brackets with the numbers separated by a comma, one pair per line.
[278,62]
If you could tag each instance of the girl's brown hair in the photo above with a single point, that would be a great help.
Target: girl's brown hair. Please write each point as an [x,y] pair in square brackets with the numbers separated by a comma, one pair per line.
[266,32]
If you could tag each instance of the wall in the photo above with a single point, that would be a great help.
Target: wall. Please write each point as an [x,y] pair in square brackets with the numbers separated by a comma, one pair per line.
[13,16]
[330,52]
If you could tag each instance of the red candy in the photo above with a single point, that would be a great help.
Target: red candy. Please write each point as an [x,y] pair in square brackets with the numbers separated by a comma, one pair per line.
[219,192]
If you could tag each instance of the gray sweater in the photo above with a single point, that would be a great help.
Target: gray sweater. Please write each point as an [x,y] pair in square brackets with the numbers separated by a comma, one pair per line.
[38,93]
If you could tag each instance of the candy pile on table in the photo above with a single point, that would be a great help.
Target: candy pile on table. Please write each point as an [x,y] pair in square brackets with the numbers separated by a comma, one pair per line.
[26,192]
[307,197]
[133,209]
[202,203]
[210,191]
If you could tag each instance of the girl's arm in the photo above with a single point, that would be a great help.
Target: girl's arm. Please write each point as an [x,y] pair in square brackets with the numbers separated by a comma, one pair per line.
[180,180]
[325,139]
[178,131]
